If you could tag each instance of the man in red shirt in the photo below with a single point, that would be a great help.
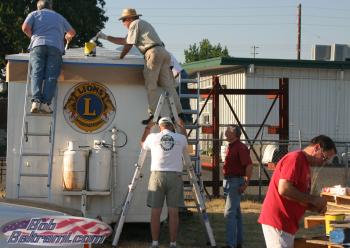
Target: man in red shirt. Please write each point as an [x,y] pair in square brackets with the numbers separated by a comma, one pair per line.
[237,170]
[288,195]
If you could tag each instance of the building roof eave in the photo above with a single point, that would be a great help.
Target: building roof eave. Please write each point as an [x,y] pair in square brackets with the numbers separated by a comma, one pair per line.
[220,63]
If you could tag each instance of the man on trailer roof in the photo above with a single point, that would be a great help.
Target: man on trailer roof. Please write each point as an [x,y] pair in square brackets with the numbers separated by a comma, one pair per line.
[46,30]
[157,59]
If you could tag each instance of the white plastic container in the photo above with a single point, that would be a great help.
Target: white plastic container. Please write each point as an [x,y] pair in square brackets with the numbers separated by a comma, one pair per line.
[99,168]
[74,167]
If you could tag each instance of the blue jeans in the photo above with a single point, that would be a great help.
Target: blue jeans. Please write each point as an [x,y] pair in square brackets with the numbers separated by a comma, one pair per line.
[45,64]
[233,215]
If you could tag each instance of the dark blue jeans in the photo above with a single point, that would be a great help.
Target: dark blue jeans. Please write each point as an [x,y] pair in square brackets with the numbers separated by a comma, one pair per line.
[45,64]
[233,215]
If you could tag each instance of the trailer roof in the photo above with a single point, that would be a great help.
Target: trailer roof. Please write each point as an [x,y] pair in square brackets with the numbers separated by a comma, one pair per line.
[104,57]
[223,63]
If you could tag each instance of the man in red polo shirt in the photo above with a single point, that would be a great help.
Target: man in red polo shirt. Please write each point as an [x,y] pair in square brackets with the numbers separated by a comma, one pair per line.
[288,195]
[237,173]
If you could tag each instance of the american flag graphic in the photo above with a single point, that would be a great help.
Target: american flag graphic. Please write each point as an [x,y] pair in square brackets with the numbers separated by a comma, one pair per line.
[64,225]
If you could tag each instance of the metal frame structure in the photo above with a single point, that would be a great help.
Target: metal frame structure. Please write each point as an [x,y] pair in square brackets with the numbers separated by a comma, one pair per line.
[283,129]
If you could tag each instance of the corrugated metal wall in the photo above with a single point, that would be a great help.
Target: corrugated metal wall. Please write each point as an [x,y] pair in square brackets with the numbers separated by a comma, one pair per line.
[318,101]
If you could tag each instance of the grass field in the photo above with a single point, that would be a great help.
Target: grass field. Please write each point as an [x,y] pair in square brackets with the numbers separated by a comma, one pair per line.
[192,233]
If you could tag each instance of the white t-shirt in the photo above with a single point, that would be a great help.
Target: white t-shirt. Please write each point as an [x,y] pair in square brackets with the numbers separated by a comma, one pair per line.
[166,150]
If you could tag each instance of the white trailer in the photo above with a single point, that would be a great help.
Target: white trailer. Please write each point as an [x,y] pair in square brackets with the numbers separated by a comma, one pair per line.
[95,95]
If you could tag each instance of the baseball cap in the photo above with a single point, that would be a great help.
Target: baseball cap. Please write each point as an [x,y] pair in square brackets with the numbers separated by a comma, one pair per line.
[165,120]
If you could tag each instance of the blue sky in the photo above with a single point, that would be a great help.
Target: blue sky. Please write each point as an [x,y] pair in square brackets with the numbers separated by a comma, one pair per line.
[270,25]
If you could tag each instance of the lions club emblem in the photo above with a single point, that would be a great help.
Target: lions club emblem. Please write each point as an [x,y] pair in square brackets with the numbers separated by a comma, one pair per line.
[167,142]
[89,107]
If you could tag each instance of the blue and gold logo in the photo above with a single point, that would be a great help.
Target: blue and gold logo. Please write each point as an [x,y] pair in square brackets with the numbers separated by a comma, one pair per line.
[89,107]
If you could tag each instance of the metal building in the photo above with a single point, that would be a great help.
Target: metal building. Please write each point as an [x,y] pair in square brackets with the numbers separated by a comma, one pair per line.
[318,91]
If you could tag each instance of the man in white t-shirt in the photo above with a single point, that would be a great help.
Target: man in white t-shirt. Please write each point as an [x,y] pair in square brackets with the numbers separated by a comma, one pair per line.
[165,181]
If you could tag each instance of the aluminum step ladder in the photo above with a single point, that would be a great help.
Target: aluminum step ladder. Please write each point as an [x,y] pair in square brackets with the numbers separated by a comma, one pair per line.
[31,168]
[199,197]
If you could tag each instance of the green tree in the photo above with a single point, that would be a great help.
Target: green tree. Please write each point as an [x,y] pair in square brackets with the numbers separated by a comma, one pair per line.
[86,16]
[205,50]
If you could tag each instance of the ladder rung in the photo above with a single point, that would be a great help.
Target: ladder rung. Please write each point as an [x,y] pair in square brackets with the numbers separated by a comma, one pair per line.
[34,175]
[38,114]
[189,80]
[191,126]
[192,142]
[194,158]
[33,196]
[188,188]
[190,206]
[35,154]
[37,134]
[189,111]
[188,95]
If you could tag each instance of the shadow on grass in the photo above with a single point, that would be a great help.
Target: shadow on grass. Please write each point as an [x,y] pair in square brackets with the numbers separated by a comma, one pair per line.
[192,233]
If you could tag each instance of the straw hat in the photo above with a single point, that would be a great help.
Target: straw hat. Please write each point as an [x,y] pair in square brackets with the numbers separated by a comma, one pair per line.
[128,13]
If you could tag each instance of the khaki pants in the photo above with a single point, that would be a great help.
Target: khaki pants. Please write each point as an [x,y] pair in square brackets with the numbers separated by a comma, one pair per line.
[157,73]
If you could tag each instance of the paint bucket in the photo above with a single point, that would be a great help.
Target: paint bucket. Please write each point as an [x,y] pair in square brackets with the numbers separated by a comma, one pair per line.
[332,217]
[90,48]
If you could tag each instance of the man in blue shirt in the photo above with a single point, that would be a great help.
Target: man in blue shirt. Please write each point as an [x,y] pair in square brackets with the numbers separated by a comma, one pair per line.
[47,31]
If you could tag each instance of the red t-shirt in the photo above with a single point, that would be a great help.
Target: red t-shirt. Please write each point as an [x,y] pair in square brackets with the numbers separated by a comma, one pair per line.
[236,160]
[277,211]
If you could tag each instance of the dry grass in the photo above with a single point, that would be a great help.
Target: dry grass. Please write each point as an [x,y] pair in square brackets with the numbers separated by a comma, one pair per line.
[192,233]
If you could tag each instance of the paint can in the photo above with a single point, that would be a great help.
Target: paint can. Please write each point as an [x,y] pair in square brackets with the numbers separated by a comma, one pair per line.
[330,217]
[90,48]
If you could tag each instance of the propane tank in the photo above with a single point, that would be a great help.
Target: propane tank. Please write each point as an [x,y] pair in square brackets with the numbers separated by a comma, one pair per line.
[74,167]
[99,167]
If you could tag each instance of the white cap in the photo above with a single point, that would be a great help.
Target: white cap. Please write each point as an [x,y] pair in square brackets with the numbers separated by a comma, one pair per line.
[165,120]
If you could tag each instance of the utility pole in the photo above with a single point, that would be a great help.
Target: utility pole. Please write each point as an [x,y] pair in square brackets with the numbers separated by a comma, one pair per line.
[299,32]
[254,51]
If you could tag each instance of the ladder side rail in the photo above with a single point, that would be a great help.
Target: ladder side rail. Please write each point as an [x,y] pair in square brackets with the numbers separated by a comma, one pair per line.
[159,108]
[24,129]
[52,141]
[200,201]
[198,167]
[131,189]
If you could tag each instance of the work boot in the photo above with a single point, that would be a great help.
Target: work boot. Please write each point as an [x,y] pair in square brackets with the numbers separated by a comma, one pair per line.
[45,108]
[145,122]
[35,107]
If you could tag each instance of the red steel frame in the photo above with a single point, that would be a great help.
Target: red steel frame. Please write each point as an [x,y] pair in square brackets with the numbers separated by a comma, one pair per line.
[283,130]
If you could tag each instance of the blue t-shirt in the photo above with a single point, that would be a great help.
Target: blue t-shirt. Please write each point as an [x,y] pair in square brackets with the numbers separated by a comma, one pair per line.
[48,28]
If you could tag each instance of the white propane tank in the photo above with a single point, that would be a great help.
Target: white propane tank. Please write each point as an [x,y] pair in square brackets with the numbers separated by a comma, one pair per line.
[99,167]
[74,167]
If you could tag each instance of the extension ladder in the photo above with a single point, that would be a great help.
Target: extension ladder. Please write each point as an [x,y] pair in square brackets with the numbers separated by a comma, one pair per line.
[32,170]
[198,193]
